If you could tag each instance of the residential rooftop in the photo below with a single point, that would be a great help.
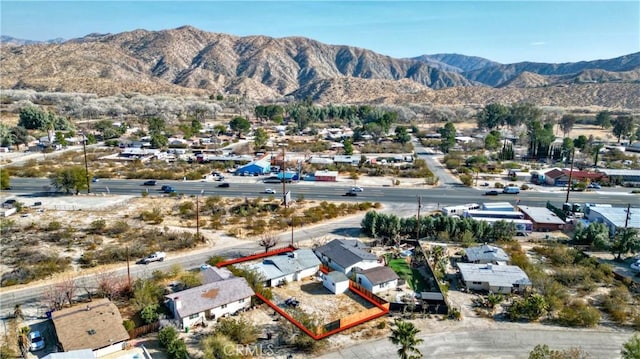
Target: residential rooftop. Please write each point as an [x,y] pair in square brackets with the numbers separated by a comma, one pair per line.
[486,253]
[541,215]
[495,275]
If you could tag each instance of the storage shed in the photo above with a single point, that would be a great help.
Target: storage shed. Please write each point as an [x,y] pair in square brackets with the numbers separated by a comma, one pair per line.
[336,282]
[326,176]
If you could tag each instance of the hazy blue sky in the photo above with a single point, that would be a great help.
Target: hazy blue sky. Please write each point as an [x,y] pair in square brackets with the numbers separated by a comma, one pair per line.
[503,31]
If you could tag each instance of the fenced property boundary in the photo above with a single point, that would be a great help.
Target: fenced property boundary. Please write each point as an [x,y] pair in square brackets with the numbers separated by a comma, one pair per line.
[345,323]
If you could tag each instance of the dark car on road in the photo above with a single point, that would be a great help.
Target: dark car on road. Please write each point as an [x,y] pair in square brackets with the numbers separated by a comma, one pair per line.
[168,189]
[492,193]
[351,194]
[224,185]
[150,183]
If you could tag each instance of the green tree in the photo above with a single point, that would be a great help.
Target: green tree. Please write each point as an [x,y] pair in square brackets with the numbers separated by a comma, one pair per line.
[447,137]
[348,147]
[492,140]
[150,313]
[503,231]
[624,241]
[167,335]
[19,136]
[580,142]
[530,308]
[261,138]
[567,122]
[492,116]
[60,139]
[69,179]
[622,126]
[240,331]
[240,125]
[402,135]
[146,292]
[520,113]
[33,118]
[595,233]
[404,334]
[631,349]
[603,119]
[107,129]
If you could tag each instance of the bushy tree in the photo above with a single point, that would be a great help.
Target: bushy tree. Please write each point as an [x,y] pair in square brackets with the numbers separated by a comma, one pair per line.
[603,119]
[239,330]
[260,138]
[530,308]
[240,125]
[5,180]
[631,349]
[150,313]
[33,118]
[567,122]
[447,137]
[402,135]
[146,292]
[69,179]
[622,126]
[579,314]
[492,116]
[348,146]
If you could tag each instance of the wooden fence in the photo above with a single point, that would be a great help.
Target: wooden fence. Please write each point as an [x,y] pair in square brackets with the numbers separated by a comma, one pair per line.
[145,329]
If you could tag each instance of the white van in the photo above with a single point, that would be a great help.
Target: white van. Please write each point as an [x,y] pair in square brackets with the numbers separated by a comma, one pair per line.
[511,190]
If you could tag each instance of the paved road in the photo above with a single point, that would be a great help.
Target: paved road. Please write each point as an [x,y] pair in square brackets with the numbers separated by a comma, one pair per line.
[251,188]
[494,343]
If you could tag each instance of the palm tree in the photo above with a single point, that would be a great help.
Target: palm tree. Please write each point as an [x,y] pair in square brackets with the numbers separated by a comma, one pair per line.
[404,334]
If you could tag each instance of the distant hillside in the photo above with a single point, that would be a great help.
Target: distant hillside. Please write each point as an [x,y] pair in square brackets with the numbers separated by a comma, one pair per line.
[19,42]
[187,60]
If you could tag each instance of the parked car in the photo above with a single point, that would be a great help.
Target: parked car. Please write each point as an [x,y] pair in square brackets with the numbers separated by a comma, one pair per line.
[491,193]
[511,190]
[270,191]
[95,179]
[150,183]
[224,185]
[350,194]
[36,340]
[357,189]
[594,186]
[154,257]
[636,265]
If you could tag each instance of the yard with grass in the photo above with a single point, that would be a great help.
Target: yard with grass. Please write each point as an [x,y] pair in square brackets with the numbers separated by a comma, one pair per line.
[410,275]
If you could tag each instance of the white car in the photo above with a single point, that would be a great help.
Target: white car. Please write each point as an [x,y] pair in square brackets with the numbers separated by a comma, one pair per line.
[357,189]
[36,340]
[636,265]
[270,191]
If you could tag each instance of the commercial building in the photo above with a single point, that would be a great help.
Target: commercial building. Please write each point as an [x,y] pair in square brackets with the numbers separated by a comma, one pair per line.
[613,217]
[542,218]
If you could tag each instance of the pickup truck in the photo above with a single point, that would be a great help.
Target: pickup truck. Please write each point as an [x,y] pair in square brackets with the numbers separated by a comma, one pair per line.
[154,257]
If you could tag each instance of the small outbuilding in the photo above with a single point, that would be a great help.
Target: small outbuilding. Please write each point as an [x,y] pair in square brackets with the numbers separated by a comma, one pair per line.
[377,279]
[336,282]
[259,167]
[542,218]
[326,176]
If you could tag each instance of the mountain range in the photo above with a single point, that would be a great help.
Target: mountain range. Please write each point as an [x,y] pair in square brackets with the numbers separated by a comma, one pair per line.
[187,60]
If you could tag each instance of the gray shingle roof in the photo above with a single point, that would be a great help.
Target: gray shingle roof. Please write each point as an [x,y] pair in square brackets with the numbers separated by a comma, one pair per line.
[345,252]
[212,295]
[378,275]
[215,274]
[282,265]
[486,253]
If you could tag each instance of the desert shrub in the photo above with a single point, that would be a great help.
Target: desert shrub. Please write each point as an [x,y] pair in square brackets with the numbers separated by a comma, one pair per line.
[578,314]
[524,187]
[466,180]
[190,279]
[128,324]
[98,226]
[119,227]
[217,346]
[53,226]
[530,308]
[498,185]
[239,330]
[154,216]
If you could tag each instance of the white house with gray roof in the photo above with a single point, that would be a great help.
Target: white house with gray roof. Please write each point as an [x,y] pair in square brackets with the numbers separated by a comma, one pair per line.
[288,267]
[377,279]
[494,278]
[210,301]
[614,217]
[336,282]
[345,255]
[485,254]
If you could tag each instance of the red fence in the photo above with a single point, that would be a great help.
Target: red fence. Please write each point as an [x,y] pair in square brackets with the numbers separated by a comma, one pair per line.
[256,256]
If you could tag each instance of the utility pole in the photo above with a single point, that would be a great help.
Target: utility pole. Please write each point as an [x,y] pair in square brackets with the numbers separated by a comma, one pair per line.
[86,165]
[626,220]
[284,174]
[128,269]
[418,219]
[573,156]
[198,214]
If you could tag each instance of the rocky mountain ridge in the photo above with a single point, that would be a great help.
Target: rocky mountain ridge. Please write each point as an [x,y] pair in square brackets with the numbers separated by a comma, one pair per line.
[189,60]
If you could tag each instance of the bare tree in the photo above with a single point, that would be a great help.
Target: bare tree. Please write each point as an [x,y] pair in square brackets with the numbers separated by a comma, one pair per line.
[68,287]
[110,285]
[54,296]
[268,240]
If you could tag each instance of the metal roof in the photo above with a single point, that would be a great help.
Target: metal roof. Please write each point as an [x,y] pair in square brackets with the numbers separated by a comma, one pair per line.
[495,275]
[541,215]
[618,172]
[618,216]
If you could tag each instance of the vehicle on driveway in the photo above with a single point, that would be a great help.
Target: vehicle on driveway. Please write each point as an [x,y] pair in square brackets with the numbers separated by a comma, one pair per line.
[270,191]
[36,340]
[491,193]
[150,183]
[224,185]
[357,189]
[154,257]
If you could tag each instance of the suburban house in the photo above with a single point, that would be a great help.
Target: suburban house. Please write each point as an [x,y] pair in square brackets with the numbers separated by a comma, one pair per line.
[542,218]
[494,278]
[288,267]
[345,255]
[74,354]
[485,254]
[336,282]
[556,177]
[96,326]
[377,279]
[214,274]
[210,301]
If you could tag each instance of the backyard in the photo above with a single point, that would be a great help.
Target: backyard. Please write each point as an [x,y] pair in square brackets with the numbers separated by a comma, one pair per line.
[411,275]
